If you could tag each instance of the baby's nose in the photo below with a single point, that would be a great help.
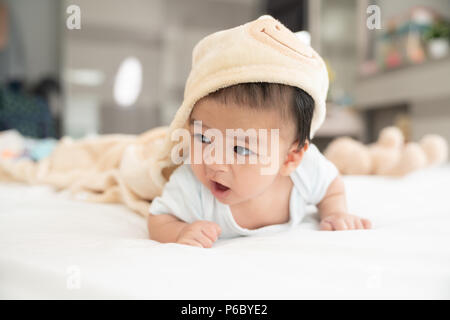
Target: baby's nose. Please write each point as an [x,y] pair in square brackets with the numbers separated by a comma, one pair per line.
[217,166]
[215,163]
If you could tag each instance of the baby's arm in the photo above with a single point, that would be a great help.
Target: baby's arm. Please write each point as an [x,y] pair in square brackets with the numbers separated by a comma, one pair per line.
[166,228]
[333,210]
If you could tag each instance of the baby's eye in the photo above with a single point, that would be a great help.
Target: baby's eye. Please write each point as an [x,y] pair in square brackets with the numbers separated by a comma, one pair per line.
[202,138]
[242,151]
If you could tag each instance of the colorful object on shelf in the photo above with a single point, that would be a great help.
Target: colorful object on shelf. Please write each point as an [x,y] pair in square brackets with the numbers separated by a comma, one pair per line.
[393,59]
[391,49]
[409,39]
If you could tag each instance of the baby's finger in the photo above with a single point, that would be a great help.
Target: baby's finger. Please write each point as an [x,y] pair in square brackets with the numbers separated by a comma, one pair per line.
[350,222]
[218,229]
[190,242]
[215,228]
[204,240]
[359,224]
[209,233]
[366,223]
[339,224]
[325,226]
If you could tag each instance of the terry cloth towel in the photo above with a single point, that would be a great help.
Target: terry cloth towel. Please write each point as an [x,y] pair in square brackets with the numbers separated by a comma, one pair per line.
[107,168]
[263,50]
[134,169]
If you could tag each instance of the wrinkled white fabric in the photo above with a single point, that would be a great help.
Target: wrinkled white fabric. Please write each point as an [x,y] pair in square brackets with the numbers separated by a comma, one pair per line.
[52,247]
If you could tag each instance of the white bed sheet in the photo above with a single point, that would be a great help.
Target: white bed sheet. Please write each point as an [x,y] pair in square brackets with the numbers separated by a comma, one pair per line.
[54,247]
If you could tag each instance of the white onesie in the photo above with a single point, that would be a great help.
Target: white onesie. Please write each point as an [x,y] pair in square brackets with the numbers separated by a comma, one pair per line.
[189,200]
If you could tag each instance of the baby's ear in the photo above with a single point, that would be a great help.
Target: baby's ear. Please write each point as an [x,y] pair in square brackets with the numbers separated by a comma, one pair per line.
[293,158]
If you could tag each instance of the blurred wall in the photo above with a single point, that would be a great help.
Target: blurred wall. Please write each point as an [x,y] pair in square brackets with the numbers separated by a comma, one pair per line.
[160,34]
[391,8]
[37,38]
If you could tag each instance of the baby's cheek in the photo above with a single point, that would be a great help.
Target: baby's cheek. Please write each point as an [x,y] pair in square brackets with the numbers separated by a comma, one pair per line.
[251,181]
[197,169]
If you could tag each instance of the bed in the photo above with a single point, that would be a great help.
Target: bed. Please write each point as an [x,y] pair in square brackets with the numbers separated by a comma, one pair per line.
[54,247]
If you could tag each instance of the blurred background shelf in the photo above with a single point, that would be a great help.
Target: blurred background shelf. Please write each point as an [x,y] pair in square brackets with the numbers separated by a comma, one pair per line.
[429,80]
[387,76]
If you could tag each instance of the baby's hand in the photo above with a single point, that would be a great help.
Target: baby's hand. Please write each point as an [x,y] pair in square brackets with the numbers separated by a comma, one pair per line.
[343,221]
[200,233]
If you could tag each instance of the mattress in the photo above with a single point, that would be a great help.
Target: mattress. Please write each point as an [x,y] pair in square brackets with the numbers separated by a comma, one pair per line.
[52,247]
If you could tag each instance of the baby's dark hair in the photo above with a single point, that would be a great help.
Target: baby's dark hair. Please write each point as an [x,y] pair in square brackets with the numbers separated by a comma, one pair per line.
[294,103]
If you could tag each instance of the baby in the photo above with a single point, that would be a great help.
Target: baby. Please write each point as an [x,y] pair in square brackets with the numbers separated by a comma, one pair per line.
[250,85]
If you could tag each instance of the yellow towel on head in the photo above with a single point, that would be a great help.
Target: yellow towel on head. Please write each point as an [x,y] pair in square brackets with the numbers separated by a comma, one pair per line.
[263,50]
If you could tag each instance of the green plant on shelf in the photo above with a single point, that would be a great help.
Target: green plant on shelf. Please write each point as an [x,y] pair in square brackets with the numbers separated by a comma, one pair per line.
[438,30]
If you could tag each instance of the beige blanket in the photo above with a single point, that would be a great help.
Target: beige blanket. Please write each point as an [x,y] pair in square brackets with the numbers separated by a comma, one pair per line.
[108,168]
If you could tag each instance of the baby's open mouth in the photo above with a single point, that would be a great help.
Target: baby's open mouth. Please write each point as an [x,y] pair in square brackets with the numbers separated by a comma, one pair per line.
[220,187]
[219,190]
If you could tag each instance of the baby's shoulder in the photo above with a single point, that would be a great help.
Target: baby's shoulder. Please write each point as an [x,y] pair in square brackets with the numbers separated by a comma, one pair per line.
[311,159]
[313,167]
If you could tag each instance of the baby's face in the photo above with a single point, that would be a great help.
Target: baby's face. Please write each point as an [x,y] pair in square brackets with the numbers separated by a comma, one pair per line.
[236,182]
